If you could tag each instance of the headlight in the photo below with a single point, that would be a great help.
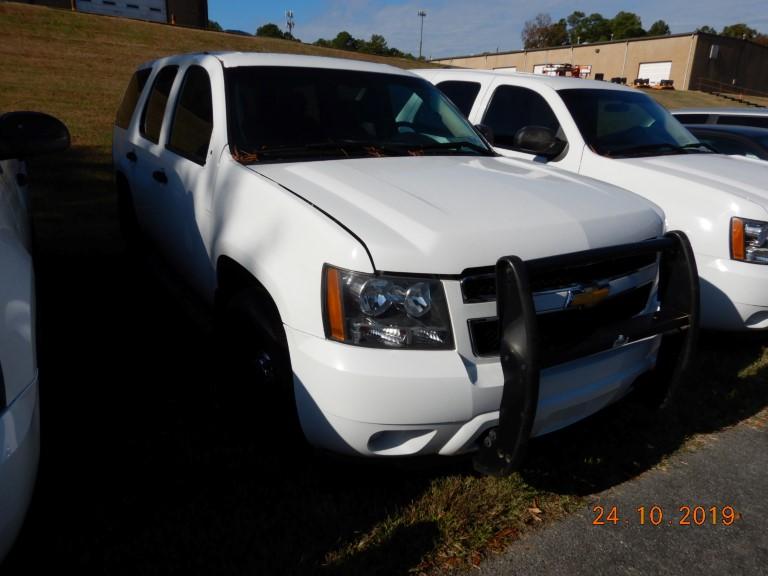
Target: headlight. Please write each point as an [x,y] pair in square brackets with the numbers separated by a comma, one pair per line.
[385,311]
[749,240]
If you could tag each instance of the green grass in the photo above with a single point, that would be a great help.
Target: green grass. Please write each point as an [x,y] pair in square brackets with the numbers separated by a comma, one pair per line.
[161,476]
[690,99]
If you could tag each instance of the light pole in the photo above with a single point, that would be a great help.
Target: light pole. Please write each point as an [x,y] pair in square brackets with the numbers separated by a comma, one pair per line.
[289,22]
[422,15]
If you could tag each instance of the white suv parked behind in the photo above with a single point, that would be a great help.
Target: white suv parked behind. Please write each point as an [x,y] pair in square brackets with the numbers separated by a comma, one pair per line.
[622,136]
[346,219]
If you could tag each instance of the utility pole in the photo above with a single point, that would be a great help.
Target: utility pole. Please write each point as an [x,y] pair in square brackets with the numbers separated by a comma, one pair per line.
[289,22]
[422,15]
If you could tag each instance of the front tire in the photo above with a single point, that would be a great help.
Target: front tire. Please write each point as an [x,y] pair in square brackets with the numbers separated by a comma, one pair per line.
[258,386]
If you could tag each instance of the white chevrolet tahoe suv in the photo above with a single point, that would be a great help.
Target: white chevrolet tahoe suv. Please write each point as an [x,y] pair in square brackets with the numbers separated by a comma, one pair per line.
[622,136]
[418,293]
[22,135]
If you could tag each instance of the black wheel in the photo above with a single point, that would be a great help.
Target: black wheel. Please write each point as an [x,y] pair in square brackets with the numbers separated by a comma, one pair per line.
[256,387]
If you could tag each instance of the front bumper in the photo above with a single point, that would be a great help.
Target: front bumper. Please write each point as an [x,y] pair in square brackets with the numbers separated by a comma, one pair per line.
[371,402]
[19,454]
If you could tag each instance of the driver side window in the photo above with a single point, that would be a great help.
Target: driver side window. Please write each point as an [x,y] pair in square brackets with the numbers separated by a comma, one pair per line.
[512,108]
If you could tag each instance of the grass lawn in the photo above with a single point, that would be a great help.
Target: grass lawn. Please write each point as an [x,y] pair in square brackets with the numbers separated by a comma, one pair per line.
[690,99]
[146,466]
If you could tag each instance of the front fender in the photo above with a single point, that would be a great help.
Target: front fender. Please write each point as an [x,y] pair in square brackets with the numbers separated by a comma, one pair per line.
[283,241]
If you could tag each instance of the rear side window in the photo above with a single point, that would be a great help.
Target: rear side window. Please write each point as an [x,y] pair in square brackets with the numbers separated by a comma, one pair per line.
[154,109]
[512,108]
[462,94]
[692,118]
[193,117]
[759,121]
[131,97]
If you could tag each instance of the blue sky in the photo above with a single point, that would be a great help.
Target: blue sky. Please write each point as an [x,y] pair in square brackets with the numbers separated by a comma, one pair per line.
[456,27]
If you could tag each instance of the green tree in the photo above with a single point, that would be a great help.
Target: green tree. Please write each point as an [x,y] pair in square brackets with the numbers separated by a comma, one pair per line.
[592,28]
[541,32]
[269,30]
[740,30]
[659,28]
[376,45]
[706,30]
[345,41]
[626,25]
[215,26]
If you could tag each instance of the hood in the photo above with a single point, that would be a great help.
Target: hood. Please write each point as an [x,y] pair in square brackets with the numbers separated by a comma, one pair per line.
[443,214]
[732,175]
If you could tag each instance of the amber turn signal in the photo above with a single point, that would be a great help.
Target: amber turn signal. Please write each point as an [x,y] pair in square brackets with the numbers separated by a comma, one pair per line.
[737,239]
[333,304]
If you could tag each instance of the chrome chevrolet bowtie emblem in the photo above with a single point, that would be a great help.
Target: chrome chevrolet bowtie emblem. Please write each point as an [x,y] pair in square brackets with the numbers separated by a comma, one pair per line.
[589,297]
[574,296]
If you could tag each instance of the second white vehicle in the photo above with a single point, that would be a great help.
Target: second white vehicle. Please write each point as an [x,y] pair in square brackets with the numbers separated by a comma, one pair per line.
[622,136]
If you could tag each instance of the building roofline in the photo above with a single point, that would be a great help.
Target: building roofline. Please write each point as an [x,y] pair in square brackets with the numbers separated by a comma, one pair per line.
[603,43]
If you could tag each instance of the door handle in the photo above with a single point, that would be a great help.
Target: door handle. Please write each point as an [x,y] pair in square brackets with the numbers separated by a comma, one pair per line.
[160,176]
[131,156]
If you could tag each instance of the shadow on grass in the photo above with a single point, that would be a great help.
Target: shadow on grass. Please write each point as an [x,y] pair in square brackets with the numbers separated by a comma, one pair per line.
[728,383]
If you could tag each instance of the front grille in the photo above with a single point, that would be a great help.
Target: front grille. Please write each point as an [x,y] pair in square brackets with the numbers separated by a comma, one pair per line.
[559,331]
[479,284]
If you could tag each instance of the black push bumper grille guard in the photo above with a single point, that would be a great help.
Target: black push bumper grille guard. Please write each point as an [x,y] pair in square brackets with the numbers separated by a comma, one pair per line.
[677,319]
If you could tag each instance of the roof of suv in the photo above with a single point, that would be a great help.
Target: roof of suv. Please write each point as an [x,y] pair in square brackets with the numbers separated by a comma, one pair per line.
[237,59]
[554,82]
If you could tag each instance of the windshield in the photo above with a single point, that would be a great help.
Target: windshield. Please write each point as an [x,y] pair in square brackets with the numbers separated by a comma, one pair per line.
[622,124]
[288,113]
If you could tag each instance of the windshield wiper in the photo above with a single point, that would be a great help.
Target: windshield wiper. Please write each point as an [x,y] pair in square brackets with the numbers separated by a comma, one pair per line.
[346,148]
[456,145]
[660,147]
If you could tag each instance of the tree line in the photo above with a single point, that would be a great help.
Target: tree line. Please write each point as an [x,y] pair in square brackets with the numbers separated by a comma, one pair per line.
[579,28]
[343,41]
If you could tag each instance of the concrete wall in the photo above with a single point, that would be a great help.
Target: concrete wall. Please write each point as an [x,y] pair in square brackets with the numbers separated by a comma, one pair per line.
[151,10]
[612,59]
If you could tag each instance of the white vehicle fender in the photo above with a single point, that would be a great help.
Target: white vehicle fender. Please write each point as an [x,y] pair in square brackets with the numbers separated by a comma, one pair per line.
[282,240]
[17,356]
[702,211]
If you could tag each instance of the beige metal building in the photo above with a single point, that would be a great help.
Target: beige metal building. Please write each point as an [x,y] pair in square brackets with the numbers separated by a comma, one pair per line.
[692,61]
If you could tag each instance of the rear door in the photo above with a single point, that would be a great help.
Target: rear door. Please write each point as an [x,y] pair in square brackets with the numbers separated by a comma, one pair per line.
[150,176]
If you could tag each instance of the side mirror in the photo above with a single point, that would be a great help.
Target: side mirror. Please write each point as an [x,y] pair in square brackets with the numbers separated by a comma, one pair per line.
[25,134]
[538,140]
[486,132]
